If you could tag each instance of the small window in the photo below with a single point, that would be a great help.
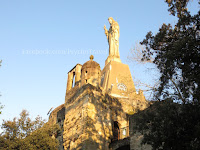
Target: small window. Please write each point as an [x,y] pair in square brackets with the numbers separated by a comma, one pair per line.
[86,71]
[73,81]
[124,132]
[116,131]
[86,81]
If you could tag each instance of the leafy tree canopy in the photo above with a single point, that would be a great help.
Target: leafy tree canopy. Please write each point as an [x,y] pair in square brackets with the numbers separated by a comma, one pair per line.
[169,126]
[172,122]
[177,52]
[23,134]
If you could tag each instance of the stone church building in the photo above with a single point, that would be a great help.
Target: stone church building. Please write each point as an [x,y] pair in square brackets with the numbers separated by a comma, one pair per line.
[98,103]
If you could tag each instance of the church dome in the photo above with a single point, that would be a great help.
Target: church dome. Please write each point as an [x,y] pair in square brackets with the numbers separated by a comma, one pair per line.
[91,64]
[90,72]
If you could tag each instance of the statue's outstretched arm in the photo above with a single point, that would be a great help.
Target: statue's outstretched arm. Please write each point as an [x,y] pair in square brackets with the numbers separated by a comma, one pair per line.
[106,31]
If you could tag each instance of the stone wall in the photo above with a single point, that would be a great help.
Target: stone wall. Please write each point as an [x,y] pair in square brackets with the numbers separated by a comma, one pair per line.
[60,121]
[87,120]
[136,138]
[58,116]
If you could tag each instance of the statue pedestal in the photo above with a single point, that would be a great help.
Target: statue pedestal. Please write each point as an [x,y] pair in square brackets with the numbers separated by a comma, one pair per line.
[117,80]
[112,58]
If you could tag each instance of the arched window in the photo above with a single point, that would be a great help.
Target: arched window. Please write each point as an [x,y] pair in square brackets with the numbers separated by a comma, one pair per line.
[73,81]
[116,130]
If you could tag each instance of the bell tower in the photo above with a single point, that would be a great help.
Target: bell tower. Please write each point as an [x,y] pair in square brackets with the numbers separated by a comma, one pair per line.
[90,73]
[97,102]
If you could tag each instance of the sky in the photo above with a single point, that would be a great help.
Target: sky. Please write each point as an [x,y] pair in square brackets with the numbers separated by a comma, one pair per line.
[40,41]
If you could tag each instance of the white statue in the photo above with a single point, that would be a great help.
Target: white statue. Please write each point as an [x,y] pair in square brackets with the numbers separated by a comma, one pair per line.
[113,37]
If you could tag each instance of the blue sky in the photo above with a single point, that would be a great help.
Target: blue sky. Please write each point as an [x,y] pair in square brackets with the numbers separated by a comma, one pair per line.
[40,41]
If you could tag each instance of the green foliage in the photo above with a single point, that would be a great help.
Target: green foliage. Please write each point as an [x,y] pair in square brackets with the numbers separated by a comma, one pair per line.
[168,125]
[1,107]
[177,52]
[42,138]
[177,7]
[23,134]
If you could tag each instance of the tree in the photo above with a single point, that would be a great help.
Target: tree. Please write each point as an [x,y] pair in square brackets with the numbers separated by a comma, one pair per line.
[173,121]
[168,125]
[23,134]
[135,57]
[43,138]
[177,7]
[177,52]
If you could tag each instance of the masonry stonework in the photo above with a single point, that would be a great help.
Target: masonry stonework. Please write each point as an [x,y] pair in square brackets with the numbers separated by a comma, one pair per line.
[95,114]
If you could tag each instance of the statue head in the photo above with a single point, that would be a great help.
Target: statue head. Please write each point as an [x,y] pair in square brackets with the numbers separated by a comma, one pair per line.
[111,20]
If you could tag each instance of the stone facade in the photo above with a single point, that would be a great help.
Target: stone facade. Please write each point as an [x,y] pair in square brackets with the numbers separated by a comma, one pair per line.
[96,108]
[87,126]
[97,105]
[136,138]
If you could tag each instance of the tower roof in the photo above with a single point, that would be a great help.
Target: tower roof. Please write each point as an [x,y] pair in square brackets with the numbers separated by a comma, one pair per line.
[91,63]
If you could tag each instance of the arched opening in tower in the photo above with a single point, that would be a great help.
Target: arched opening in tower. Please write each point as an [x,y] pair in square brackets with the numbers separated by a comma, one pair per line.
[116,131]
[73,81]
